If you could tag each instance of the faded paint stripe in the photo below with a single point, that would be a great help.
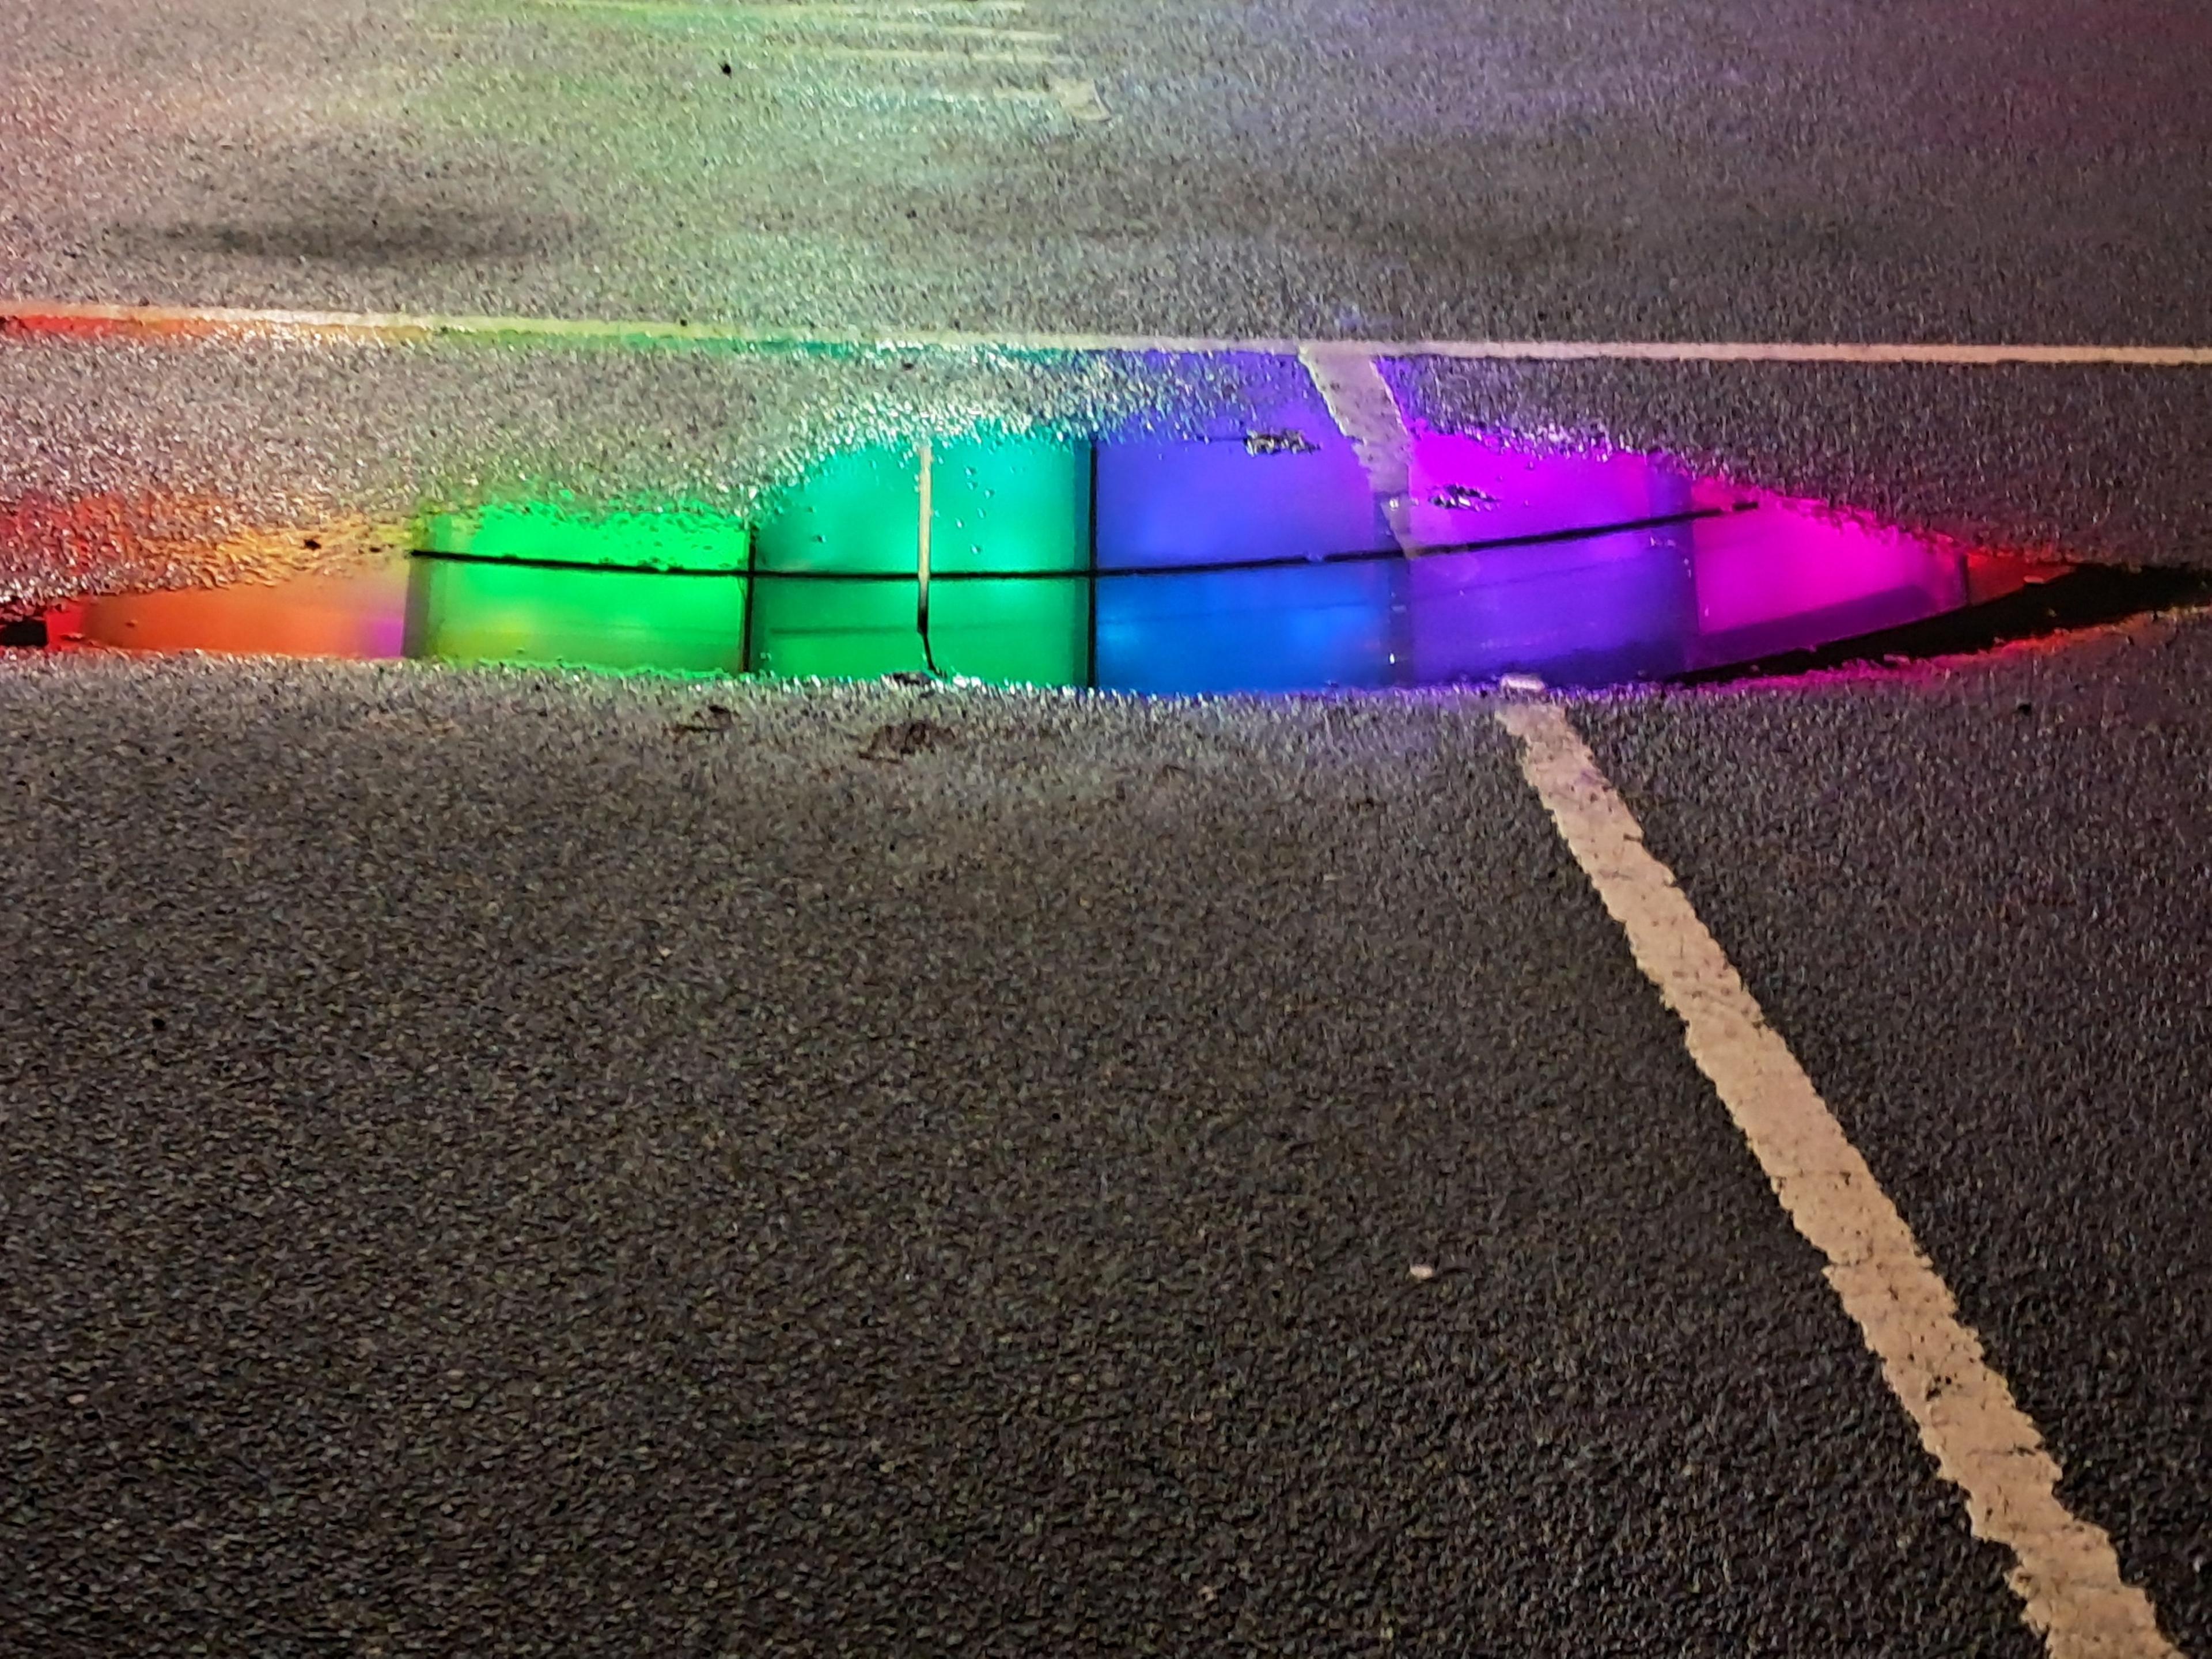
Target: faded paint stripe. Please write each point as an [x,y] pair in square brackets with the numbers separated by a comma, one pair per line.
[2065,1571]
[65,316]
[932,57]
[1078,98]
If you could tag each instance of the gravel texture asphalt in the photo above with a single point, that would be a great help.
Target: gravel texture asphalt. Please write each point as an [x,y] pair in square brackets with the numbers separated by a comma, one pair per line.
[1976,906]
[518,1163]
[1741,169]
[1403,168]
[510,1164]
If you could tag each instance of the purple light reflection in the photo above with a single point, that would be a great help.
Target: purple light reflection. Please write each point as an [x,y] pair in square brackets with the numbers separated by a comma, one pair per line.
[1735,575]
[1604,607]
[1787,576]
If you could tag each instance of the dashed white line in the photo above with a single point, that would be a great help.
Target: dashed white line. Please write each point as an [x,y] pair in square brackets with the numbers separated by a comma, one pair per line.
[930,56]
[908,15]
[930,26]
[2066,1572]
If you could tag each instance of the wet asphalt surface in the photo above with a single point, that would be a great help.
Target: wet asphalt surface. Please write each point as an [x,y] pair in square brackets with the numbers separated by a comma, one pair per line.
[1399,171]
[1976,908]
[515,1163]
[1412,168]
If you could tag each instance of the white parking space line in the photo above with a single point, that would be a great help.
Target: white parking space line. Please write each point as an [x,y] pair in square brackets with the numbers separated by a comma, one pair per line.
[2066,1572]
[1943,353]
[985,32]
[60,314]
[930,56]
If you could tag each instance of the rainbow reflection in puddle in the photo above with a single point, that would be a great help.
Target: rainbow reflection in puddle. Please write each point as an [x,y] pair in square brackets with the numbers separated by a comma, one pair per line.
[1257,562]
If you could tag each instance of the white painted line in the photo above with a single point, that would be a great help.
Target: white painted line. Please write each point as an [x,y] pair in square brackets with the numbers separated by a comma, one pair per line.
[975,95]
[1953,356]
[1364,410]
[930,26]
[1079,99]
[848,20]
[2066,1572]
[62,316]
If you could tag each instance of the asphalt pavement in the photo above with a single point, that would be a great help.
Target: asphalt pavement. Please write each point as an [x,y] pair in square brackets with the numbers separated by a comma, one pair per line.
[1405,170]
[1413,169]
[514,1163]
[1975,903]
[503,1162]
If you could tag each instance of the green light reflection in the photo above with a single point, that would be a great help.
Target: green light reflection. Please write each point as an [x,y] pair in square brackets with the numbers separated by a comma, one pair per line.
[1009,505]
[467,611]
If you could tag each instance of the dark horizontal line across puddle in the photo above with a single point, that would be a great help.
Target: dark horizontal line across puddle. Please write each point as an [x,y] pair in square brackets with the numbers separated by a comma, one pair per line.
[1203,568]
[2076,597]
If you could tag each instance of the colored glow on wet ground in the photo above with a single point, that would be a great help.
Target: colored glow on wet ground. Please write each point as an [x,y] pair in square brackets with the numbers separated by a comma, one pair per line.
[1258,562]
[363,615]
[1291,489]
[1015,507]
[467,611]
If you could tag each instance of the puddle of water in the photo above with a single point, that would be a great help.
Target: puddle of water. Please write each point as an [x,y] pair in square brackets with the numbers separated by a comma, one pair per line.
[1252,560]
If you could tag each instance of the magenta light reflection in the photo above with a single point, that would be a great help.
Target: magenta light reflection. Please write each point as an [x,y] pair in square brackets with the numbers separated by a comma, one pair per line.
[1787,576]
[1598,606]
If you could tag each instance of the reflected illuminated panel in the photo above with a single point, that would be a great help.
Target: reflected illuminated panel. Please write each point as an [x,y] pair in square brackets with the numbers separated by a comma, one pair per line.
[361,614]
[1591,606]
[838,586]
[1829,581]
[856,515]
[541,582]
[673,537]
[1018,507]
[462,611]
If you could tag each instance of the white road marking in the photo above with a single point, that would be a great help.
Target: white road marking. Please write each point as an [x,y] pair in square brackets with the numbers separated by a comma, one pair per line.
[986,32]
[982,95]
[58,315]
[1954,355]
[2066,1572]
[944,31]
[1365,410]
[1079,99]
